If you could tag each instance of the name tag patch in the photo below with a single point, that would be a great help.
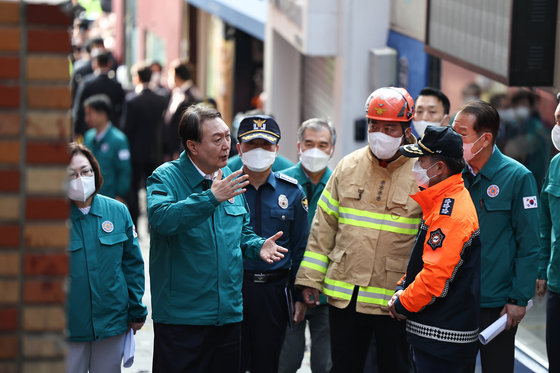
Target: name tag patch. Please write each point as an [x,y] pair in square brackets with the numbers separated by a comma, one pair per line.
[447,206]
[530,202]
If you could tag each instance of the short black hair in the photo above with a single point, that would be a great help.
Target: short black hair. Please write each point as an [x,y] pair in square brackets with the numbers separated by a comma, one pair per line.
[429,91]
[102,58]
[99,103]
[190,126]
[94,41]
[454,164]
[522,95]
[75,148]
[487,117]
[143,71]
[183,70]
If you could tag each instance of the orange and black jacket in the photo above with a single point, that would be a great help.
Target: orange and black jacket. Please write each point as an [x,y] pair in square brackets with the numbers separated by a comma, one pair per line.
[441,286]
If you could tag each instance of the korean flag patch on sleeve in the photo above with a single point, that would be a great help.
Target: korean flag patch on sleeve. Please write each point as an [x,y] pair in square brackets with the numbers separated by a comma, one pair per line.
[530,202]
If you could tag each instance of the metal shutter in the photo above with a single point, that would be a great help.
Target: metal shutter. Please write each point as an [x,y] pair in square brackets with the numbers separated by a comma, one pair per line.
[317,87]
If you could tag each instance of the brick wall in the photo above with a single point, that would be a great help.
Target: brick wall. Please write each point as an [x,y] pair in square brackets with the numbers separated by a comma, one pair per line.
[34,131]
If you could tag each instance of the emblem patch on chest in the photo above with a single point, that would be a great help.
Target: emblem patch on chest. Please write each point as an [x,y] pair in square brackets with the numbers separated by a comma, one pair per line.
[107,226]
[447,206]
[436,239]
[493,190]
[283,201]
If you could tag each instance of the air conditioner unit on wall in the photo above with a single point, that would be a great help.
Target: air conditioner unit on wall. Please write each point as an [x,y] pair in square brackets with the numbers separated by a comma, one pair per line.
[510,41]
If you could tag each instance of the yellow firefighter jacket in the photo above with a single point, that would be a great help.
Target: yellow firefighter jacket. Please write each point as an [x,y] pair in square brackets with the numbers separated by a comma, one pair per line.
[363,232]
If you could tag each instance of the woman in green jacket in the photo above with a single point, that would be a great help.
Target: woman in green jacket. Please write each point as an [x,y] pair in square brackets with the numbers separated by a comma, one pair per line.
[106,271]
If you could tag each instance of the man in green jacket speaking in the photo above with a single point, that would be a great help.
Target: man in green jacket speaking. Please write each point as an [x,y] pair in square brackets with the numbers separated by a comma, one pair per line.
[200,229]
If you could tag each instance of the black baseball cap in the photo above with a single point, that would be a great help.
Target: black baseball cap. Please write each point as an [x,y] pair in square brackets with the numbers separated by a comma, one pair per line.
[436,141]
[259,127]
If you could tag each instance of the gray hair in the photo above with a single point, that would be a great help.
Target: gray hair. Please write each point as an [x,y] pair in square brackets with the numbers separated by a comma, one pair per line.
[317,124]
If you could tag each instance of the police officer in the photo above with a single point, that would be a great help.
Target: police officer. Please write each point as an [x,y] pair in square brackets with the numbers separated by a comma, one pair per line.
[109,145]
[316,141]
[504,193]
[276,203]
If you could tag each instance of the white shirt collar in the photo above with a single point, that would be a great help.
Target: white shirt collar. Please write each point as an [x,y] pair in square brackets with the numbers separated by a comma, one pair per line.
[206,176]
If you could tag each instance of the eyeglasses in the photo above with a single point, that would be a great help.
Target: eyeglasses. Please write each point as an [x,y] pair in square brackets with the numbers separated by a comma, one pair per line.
[73,175]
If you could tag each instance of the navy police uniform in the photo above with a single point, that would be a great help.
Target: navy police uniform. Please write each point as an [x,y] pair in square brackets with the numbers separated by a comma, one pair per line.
[277,205]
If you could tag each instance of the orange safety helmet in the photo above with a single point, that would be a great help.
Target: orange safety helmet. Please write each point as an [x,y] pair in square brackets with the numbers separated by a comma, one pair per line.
[390,104]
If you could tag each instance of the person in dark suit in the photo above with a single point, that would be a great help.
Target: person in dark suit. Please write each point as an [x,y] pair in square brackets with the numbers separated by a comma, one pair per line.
[97,83]
[142,123]
[155,83]
[82,67]
[184,94]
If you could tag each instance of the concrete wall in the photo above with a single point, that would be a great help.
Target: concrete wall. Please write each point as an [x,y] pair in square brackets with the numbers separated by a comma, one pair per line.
[362,26]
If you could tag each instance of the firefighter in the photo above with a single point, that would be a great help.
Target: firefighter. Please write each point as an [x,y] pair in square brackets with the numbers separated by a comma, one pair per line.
[362,236]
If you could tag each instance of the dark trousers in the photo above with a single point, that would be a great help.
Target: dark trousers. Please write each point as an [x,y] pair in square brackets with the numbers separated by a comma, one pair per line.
[351,334]
[427,363]
[294,344]
[196,348]
[140,172]
[553,331]
[496,356]
[265,316]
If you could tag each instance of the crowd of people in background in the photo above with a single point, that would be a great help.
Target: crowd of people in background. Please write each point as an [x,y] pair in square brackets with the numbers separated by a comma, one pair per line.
[243,256]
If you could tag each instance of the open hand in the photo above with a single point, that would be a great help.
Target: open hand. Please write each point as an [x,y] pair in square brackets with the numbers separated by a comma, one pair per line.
[229,187]
[270,252]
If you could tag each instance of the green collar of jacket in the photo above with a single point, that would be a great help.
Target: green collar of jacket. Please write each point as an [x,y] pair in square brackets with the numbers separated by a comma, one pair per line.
[493,164]
[193,177]
[75,212]
[300,175]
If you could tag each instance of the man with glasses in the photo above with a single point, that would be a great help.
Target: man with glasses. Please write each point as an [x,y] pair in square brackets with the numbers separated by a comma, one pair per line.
[504,193]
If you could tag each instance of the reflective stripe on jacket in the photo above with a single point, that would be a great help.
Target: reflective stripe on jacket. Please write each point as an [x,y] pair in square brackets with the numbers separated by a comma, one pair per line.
[363,232]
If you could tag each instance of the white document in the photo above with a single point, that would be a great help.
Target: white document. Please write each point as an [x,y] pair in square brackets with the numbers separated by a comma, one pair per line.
[497,327]
[128,349]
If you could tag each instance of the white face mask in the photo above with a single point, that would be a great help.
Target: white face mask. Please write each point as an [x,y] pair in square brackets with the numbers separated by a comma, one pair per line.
[467,150]
[555,135]
[81,188]
[522,112]
[314,160]
[258,160]
[383,146]
[507,115]
[421,125]
[421,175]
